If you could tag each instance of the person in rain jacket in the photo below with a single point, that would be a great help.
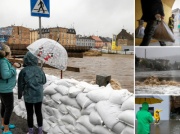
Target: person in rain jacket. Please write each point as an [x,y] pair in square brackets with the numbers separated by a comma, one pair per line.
[7,83]
[30,84]
[171,22]
[144,119]
[153,11]
[157,115]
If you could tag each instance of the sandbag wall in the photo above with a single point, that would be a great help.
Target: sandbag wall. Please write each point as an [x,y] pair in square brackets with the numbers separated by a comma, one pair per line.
[76,107]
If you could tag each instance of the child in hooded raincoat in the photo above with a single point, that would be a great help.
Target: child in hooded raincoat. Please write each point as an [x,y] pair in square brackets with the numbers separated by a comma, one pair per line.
[30,85]
[157,116]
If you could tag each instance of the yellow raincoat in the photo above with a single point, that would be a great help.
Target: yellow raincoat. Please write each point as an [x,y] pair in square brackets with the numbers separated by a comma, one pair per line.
[156,114]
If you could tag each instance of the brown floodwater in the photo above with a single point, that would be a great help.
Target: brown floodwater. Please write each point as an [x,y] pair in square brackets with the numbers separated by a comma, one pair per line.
[119,67]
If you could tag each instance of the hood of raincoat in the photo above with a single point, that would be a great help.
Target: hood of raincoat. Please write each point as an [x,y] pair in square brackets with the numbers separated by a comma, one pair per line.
[145,106]
[30,60]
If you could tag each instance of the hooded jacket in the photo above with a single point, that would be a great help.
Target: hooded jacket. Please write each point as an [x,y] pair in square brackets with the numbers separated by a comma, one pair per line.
[31,80]
[7,76]
[156,114]
[144,119]
[150,8]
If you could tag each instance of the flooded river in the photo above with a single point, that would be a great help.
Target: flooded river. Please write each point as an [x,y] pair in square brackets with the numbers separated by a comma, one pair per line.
[119,67]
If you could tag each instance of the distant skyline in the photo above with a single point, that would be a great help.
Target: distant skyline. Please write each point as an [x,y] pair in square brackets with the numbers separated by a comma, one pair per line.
[88,17]
[157,52]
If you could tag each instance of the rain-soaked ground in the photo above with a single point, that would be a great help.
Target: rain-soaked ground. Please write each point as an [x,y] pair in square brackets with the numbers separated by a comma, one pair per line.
[119,67]
[165,127]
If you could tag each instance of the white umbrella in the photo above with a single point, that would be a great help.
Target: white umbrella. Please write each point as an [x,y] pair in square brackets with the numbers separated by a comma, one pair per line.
[50,52]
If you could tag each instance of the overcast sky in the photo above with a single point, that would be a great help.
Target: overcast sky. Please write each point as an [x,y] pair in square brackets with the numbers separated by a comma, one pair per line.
[98,17]
[157,52]
[176,4]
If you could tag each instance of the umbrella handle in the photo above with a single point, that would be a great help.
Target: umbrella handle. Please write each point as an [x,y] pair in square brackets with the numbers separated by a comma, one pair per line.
[61,74]
[42,64]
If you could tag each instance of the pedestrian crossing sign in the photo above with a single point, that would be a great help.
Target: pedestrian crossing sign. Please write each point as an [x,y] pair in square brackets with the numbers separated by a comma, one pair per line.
[40,8]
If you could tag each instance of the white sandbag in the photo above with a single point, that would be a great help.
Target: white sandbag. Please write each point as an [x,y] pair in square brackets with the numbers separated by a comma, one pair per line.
[70,101]
[83,100]
[22,105]
[70,127]
[49,110]
[74,112]
[83,85]
[68,119]
[53,119]
[119,96]
[81,129]
[74,91]
[101,130]
[56,113]
[48,101]
[128,130]
[90,87]
[63,82]
[84,120]
[62,108]
[51,124]
[56,97]
[72,81]
[118,128]
[127,117]
[88,109]
[50,90]
[46,126]
[64,130]
[95,118]
[63,90]
[55,130]
[18,110]
[108,112]
[128,104]
[99,95]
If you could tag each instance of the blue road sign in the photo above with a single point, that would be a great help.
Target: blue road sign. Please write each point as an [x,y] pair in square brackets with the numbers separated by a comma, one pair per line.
[40,8]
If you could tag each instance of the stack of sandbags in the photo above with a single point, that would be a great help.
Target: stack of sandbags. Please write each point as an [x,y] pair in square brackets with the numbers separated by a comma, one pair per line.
[74,107]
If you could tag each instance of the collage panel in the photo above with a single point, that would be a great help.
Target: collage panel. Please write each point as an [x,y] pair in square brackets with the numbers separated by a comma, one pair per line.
[67,67]
[157,114]
[157,70]
[157,78]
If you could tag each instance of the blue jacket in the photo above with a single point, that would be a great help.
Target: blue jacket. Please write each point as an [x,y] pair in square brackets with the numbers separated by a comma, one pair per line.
[7,76]
[31,79]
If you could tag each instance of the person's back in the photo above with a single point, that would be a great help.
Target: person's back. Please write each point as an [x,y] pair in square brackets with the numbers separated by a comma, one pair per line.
[33,77]
[30,84]
[150,8]
[144,119]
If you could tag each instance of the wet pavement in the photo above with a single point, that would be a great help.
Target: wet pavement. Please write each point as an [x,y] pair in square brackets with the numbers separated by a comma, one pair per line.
[21,125]
[176,43]
[165,127]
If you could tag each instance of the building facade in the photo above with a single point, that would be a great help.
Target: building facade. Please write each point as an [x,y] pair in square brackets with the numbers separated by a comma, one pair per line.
[15,35]
[85,41]
[98,41]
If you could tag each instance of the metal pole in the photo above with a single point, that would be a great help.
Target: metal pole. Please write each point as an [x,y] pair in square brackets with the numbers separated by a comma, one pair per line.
[40,32]
[40,36]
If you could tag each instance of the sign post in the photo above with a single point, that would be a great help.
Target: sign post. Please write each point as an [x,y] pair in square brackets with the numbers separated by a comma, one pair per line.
[40,8]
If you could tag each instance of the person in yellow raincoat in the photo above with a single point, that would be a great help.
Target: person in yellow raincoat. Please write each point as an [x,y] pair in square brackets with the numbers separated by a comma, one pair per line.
[157,115]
